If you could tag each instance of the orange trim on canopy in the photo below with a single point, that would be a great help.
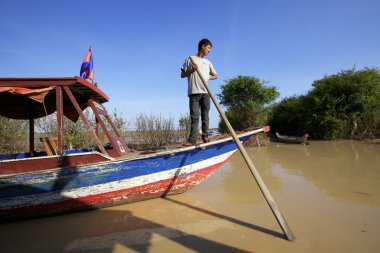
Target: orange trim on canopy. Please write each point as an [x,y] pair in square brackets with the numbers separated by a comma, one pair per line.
[37,95]
[23,98]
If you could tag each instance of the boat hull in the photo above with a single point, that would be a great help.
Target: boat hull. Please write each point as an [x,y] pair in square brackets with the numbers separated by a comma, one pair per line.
[109,183]
[292,139]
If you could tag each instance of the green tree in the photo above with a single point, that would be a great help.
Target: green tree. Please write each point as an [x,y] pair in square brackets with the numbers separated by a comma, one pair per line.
[287,115]
[347,103]
[343,105]
[247,100]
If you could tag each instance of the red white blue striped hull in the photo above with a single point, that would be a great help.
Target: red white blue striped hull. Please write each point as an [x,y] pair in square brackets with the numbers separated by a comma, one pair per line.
[109,183]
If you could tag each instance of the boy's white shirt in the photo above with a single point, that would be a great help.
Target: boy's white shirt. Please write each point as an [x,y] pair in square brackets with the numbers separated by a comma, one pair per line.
[205,67]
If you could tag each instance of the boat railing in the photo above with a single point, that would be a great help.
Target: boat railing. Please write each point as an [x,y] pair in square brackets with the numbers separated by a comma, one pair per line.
[40,154]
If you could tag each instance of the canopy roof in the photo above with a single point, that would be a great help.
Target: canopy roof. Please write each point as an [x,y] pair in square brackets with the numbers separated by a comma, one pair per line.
[22,97]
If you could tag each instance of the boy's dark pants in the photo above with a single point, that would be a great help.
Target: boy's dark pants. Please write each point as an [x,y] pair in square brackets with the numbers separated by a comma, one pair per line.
[199,103]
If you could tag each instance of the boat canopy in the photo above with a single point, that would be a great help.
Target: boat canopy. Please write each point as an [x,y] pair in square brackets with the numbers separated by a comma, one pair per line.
[23,98]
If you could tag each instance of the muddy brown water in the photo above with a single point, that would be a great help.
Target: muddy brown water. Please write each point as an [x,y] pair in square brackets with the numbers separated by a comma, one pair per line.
[328,192]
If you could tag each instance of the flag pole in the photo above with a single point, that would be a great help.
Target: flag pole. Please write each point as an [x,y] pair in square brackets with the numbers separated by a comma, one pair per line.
[268,197]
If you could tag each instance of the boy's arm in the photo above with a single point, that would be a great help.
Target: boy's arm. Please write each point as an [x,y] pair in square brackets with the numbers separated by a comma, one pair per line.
[213,77]
[189,71]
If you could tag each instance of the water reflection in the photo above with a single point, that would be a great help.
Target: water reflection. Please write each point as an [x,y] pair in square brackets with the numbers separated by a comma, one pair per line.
[230,219]
[239,184]
[348,170]
[105,229]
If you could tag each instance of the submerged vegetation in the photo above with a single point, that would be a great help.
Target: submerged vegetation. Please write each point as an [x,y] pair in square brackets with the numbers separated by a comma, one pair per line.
[154,131]
[12,135]
[151,131]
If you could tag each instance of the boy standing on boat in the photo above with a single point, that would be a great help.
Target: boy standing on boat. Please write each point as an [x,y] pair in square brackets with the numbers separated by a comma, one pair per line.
[199,99]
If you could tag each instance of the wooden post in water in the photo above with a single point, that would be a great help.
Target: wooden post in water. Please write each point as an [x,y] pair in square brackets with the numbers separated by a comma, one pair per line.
[268,197]
[59,105]
[85,121]
[31,130]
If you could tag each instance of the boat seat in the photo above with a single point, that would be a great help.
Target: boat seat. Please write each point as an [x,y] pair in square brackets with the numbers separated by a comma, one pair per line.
[50,145]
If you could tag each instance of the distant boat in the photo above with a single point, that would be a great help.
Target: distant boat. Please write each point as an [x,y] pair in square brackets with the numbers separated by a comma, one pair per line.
[292,139]
[58,181]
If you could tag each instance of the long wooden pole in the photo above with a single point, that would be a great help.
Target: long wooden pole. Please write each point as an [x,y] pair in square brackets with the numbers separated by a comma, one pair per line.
[268,197]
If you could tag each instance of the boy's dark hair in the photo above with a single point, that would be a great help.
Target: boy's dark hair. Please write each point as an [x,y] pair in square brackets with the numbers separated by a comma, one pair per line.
[205,42]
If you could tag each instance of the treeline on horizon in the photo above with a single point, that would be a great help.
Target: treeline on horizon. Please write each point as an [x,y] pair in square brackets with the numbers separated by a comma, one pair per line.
[343,105]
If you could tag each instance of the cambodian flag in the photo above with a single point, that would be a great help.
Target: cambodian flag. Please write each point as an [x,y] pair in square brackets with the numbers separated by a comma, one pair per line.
[87,69]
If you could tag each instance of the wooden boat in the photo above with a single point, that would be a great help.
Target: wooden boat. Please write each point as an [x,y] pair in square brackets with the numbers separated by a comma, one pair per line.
[292,139]
[58,181]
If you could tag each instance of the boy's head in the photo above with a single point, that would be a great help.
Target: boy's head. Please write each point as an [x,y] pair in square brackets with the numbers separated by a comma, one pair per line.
[204,42]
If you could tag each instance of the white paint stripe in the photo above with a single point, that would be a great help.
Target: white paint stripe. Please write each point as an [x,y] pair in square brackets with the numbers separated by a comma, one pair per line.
[46,198]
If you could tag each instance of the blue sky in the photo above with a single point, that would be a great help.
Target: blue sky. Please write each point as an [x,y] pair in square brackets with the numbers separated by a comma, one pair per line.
[139,46]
